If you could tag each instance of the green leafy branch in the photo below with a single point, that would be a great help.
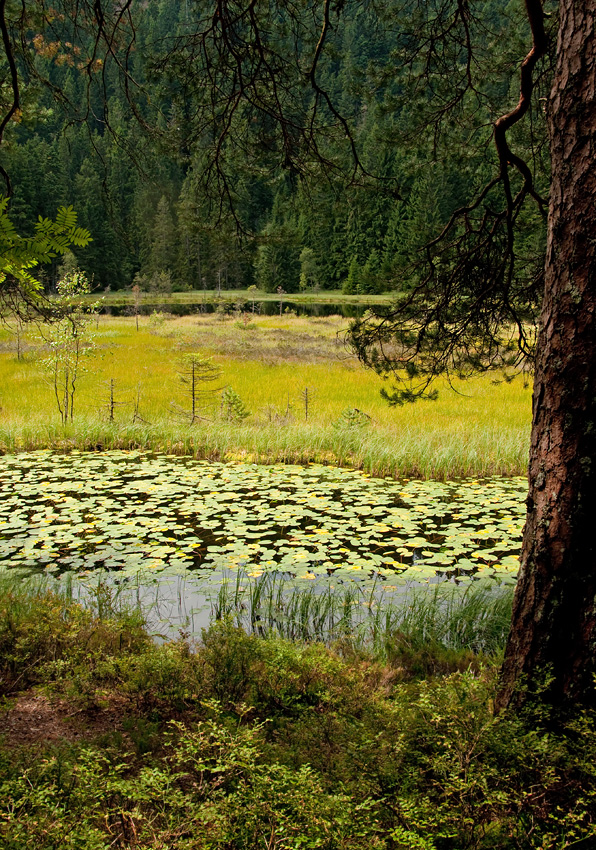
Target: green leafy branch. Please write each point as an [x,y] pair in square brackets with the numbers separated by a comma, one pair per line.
[19,254]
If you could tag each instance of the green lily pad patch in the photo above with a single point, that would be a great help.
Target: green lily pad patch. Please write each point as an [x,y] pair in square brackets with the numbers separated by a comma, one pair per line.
[133,513]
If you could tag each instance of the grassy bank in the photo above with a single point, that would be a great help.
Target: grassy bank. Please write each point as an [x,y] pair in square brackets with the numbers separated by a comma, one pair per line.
[295,376]
[245,742]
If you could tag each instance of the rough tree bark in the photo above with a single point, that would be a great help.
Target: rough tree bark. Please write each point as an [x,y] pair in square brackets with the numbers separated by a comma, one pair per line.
[554,618]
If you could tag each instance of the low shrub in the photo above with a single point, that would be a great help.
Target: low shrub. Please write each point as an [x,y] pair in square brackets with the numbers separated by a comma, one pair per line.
[44,635]
[245,742]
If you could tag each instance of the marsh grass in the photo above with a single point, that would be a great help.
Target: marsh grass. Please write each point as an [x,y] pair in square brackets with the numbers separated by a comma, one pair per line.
[480,430]
[39,615]
[381,452]
[439,618]
[237,296]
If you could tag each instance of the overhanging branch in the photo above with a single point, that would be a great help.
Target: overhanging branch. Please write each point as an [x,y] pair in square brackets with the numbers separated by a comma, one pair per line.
[14,81]
[535,14]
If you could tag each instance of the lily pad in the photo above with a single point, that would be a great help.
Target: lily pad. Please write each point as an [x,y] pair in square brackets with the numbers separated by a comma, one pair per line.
[182,515]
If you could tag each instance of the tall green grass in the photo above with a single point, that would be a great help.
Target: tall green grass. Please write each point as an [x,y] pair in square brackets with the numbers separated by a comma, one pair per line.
[39,616]
[433,618]
[382,451]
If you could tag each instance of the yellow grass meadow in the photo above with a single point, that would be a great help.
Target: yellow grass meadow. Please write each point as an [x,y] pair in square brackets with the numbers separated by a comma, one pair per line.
[274,364]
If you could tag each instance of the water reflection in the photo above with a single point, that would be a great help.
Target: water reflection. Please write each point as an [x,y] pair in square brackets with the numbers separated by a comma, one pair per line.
[264,308]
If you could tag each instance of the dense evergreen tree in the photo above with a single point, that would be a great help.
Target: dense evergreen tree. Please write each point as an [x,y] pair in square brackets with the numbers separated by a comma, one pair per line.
[351,284]
[162,240]
[278,260]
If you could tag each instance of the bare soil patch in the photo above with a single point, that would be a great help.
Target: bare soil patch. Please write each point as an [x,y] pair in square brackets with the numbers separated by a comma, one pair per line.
[36,718]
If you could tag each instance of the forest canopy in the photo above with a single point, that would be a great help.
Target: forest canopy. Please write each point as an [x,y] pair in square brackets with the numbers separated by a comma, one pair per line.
[311,169]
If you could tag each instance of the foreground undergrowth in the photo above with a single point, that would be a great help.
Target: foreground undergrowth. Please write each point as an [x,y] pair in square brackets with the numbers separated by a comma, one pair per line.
[248,741]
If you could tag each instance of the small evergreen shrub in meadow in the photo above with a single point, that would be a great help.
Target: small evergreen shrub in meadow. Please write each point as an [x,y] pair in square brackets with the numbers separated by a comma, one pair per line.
[352,417]
[157,320]
[246,742]
[232,408]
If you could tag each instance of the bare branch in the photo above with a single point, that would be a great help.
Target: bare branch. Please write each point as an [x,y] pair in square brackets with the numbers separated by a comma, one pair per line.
[14,81]
[535,15]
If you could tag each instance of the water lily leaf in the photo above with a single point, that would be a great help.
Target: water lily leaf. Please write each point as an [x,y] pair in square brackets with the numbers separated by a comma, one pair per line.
[88,509]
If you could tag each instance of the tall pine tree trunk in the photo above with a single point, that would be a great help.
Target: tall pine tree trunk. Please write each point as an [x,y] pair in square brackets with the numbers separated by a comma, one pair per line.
[554,619]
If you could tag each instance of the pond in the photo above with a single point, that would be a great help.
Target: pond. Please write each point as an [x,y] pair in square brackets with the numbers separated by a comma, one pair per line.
[134,514]
[265,308]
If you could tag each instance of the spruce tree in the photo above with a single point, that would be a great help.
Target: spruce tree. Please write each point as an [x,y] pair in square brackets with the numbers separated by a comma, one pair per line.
[351,285]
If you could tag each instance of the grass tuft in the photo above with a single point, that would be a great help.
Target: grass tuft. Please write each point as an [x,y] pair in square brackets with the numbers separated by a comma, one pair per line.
[440,618]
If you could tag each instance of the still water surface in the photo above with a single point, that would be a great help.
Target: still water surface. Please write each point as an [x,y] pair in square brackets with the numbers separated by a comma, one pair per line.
[172,529]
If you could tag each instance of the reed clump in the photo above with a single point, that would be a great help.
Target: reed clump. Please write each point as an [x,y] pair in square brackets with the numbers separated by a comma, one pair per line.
[439,618]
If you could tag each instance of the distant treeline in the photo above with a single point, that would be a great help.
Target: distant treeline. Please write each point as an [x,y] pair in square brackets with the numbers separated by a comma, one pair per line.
[144,197]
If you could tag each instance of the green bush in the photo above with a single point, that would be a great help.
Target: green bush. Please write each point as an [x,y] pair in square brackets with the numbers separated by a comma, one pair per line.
[44,635]
[166,677]
[246,742]
[232,408]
